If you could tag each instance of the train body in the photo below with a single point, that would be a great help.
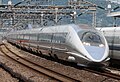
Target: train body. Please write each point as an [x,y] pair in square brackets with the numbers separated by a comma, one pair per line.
[112,35]
[76,43]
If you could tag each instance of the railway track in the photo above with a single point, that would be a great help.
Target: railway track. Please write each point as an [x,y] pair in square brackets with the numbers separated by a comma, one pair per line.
[112,72]
[108,72]
[18,58]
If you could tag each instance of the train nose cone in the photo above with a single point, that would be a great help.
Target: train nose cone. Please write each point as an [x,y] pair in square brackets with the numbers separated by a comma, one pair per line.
[97,53]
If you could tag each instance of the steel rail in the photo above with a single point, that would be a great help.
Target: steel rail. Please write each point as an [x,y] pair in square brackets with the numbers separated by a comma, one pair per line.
[105,72]
[35,66]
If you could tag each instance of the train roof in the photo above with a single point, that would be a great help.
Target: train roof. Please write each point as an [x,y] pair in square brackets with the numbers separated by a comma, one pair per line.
[58,28]
[108,28]
[114,14]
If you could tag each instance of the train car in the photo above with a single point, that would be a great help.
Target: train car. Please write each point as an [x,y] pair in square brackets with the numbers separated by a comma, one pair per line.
[77,43]
[112,35]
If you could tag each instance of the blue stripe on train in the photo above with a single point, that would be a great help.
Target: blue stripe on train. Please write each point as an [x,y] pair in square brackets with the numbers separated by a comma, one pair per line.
[114,47]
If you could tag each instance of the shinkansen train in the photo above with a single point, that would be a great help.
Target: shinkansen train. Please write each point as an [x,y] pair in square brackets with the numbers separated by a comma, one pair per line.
[112,35]
[81,44]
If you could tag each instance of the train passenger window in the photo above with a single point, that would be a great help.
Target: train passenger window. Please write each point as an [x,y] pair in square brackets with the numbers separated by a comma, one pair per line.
[50,37]
[33,36]
[26,37]
[59,38]
[21,36]
[17,36]
[46,37]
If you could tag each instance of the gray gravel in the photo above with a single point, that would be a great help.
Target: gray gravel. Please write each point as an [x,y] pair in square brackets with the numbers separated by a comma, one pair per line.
[6,77]
[23,72]
[78,74]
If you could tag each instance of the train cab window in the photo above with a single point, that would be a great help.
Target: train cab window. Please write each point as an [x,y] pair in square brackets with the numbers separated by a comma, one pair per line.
[93,38]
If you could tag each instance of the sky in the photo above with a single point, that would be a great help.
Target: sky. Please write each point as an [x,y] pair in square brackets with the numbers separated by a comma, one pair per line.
[14,1]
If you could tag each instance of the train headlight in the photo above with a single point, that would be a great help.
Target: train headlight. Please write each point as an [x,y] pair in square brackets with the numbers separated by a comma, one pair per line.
[101,45]
[86,43]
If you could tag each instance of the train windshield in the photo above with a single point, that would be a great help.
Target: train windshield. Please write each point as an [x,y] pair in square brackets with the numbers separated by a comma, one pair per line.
[91,38]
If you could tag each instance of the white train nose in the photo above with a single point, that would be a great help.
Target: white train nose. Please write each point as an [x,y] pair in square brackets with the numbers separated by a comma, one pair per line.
[97,53]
